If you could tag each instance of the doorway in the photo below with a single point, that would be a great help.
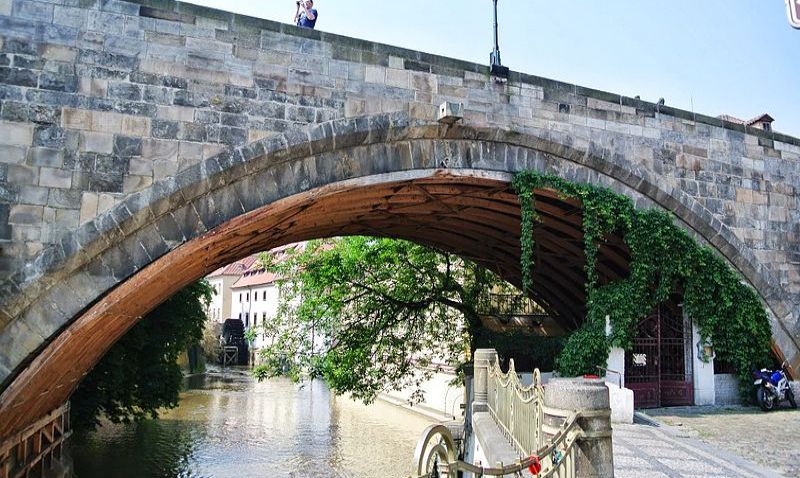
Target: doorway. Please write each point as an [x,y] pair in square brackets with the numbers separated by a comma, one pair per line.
[658,368]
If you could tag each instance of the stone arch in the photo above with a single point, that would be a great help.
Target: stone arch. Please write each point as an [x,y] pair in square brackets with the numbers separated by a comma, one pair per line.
[236,194]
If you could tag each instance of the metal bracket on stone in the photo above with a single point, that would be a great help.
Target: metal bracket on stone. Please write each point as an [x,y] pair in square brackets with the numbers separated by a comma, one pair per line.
[450,113]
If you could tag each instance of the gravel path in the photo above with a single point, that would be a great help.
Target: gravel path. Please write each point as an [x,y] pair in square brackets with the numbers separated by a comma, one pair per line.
[769,439]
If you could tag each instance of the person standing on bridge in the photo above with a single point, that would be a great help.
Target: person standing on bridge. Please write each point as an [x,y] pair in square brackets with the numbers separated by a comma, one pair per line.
[306,15]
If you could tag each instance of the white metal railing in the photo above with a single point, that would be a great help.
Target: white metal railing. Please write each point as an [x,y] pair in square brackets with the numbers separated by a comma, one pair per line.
[517,409]
[546,449]
[436,455]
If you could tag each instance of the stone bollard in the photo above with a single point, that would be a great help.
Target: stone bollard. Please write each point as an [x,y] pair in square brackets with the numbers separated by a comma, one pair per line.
[594,458]
[482,359]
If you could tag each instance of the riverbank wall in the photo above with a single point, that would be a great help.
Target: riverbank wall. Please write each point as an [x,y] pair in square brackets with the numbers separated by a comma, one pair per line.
[441,398]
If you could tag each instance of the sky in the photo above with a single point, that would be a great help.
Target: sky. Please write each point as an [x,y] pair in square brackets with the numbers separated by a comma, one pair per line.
[737,57]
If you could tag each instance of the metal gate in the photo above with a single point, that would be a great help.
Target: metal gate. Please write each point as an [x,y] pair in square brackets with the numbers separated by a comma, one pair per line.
[658,369]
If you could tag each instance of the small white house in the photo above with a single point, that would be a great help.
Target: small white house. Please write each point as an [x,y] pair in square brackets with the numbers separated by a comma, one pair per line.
[221,281]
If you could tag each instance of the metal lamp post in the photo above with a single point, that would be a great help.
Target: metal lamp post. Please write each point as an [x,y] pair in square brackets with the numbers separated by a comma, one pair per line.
[497,67]
[793,10]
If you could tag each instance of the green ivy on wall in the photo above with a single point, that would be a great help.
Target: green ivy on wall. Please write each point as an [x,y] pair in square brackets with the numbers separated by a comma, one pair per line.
[663,260]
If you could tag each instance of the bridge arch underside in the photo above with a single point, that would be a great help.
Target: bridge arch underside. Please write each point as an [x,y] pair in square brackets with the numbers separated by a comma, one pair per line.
[445,187]
[474,214]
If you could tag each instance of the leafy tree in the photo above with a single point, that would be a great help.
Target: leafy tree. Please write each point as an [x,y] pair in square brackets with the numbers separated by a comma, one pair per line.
[367,314]
[139,374]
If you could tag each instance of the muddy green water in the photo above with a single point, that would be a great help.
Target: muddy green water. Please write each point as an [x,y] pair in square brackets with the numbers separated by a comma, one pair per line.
[229,425]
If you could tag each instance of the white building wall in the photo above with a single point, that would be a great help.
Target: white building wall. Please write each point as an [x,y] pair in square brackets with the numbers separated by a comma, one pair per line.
[219,309]
[442,400]
[239,303]
[703,372]
[214,309]
[254,305]
[264,307]
[242,305]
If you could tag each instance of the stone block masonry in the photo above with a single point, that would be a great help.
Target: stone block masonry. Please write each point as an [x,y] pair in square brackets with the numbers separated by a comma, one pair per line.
[109,110]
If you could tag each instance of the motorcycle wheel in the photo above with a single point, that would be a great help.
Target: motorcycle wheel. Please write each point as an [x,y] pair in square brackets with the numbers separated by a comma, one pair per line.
[765,400]
[790,397]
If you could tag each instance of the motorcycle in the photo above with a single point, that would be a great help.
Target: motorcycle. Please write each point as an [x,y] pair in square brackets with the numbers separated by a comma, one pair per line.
[772,386]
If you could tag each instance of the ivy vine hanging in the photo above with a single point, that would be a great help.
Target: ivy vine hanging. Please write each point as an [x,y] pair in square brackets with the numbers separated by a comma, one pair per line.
[663,260]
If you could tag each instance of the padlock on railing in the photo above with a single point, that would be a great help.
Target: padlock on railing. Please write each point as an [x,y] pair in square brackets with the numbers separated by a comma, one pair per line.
[535,467]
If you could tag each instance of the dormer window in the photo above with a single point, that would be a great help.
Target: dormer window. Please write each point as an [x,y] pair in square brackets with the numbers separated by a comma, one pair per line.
[763,122]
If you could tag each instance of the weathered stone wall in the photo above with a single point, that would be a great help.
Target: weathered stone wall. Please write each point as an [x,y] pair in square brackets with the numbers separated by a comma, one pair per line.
[726,389]
[104,99]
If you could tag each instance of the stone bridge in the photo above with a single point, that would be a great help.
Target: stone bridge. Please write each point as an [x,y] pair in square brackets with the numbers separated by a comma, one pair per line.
[143,144]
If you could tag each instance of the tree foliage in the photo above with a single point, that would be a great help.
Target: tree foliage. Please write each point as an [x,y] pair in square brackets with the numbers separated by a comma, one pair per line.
[139,374]
[529,350]
[664,260]
[367,314]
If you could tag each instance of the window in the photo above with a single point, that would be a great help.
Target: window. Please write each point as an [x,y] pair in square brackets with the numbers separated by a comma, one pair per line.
[255,296]
[240,316]
[265,296]
[264,317]
[767,126]
[255,320]
[240,296]
[248,297]
[721,367]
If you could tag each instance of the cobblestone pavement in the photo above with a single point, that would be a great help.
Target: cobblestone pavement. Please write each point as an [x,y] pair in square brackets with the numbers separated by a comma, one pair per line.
[769,439]
[644,451]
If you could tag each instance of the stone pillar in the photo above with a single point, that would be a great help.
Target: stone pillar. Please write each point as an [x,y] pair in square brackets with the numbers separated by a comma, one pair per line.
[594,457]
[616,361]
[702,372]
[482,359]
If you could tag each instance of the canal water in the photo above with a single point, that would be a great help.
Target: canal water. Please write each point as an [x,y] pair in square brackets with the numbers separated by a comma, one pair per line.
[229,425]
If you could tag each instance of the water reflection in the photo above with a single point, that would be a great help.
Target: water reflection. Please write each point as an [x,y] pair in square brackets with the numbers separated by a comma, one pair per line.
[231,426]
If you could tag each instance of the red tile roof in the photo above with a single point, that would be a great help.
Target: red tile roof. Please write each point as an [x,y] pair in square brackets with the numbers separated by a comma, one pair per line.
[250,269]
[765,118]
[758,119]
[255,275]
[255,278]
[731,119]
[236,268]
